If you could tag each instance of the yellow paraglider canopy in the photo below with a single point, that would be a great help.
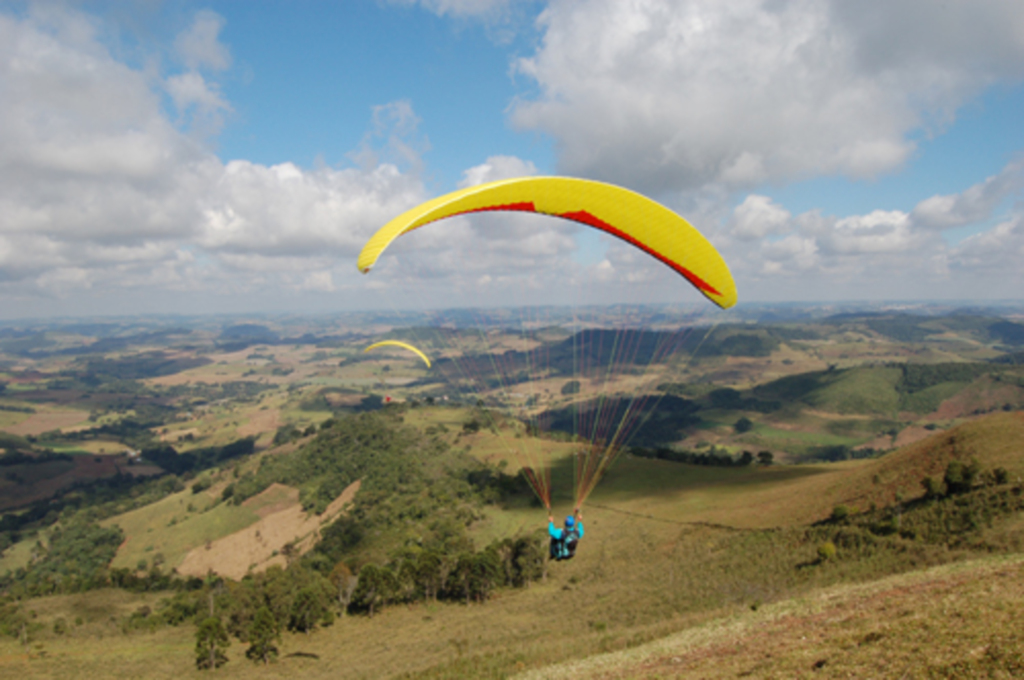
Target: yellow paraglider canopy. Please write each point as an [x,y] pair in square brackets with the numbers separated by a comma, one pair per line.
[403,345]
[634,218]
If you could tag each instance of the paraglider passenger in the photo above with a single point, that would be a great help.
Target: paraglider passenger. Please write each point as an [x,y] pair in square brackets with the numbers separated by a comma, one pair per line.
[563,541]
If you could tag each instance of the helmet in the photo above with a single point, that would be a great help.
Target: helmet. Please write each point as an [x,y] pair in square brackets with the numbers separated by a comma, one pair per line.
[569,521]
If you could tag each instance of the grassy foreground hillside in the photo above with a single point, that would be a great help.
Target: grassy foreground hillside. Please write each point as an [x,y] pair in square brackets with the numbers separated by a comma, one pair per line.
[724,569]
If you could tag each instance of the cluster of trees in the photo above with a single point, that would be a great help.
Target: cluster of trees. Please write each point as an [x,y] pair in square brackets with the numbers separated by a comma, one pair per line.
[917,377]
[434,574]
[11,407]
[714,456]
[658,421]
[416,501]
[289,433]
[11,458]
[952,512]
[374,447]
[75,560]
[301,599]
[833,453]
[135,430]
[960,478]
[95,500]
[198,459]
[139,366]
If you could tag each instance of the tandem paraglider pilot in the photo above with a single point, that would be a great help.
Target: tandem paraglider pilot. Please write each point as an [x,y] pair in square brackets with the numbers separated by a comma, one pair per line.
[563,541]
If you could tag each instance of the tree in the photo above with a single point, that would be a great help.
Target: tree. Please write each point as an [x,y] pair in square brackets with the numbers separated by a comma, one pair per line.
[932,487]
[345,581]
[430,572]
[459,580]
[262,635]
[530,560]
[211,641]
[571,387]
[746,458]
[959,478]
[307,609]
[765,457]
[840,513]
[743,425]
[487,569]
[368,591]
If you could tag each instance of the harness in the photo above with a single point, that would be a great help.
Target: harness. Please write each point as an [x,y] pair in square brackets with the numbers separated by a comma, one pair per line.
[565,548]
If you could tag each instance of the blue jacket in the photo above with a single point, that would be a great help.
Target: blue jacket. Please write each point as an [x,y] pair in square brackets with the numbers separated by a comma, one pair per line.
[559,549]
[557,533]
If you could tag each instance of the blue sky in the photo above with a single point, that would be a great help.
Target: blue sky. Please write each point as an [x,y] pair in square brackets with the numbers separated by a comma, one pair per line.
[233,156]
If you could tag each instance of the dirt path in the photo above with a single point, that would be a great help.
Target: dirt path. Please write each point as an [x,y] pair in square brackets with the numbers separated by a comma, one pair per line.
[260,545]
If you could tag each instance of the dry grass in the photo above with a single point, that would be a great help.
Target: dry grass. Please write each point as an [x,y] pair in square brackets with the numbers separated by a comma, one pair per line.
[260,421]
[902,626]
[175,525]
[258,546]
[46,420]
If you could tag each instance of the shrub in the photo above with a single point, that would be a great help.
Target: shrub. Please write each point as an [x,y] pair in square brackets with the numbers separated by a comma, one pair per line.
[932,487]
[840,513]
[827,551]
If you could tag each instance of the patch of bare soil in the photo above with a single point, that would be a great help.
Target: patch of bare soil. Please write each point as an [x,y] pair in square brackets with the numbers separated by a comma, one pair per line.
[38,423]
[260,422]
[263,544]
[336,400]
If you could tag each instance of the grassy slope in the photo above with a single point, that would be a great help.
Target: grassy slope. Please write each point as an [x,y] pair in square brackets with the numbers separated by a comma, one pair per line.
[960,620]
[149,530]
[645,572]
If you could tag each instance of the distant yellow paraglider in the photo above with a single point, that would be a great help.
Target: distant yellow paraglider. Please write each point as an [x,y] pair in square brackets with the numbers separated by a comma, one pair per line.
[634,218]
[403,345]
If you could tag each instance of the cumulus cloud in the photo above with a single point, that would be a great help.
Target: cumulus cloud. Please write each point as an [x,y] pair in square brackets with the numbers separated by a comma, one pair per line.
[495,168]
[662,95]
[885,253]
[973,205]
[462,8]
[199,46]
[100,188]
[997,252]
[757,217]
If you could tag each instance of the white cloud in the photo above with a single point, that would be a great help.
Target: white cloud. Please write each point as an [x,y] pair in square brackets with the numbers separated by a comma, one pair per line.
[879,231]
[200,46]
[998,253]
[320,281]
[661,95]
[495,168]
[191,89]
[758,217]
[101,191]
[973,205]
[462,8]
